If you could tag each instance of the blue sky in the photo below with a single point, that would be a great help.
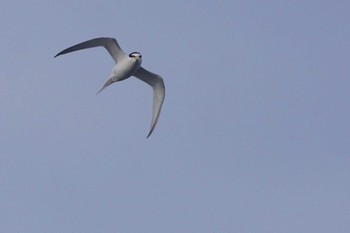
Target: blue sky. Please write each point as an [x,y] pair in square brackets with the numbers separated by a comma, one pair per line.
[253,135]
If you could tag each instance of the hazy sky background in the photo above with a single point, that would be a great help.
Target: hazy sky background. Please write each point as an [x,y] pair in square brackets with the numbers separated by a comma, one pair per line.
[253,136]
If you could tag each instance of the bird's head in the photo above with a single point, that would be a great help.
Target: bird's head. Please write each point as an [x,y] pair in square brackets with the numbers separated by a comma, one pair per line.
[136,55]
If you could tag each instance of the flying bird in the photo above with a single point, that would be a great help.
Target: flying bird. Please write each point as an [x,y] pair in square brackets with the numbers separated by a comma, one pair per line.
[127,66]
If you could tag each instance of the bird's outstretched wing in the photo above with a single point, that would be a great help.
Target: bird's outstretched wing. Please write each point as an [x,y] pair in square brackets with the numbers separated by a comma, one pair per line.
[156,82]
[110,44]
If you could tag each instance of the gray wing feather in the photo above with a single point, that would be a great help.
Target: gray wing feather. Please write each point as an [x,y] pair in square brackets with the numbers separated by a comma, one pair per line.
[157,83]
[110,44]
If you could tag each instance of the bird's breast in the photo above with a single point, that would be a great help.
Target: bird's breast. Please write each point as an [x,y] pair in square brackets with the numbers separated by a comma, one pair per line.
[125,68]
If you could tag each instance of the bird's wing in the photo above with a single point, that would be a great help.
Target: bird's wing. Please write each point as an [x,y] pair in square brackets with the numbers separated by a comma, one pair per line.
[110,44]
[156,82]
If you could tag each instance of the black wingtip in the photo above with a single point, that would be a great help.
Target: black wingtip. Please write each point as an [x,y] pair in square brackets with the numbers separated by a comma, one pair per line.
[149,134]
[60,53]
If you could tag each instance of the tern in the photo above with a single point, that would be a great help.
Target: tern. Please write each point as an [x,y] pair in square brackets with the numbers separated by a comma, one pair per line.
[126,66]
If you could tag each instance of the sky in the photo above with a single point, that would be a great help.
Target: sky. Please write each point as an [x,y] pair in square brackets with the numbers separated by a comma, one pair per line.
[253,134]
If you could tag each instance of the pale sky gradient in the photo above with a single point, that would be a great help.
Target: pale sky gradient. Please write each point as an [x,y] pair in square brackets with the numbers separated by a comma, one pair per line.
[253,136]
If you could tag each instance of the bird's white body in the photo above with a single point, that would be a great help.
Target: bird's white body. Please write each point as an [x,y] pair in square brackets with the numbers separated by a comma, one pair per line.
[124,69]
[127,66]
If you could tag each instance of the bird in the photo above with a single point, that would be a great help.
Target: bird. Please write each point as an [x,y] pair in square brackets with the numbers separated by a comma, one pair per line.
[127,65]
